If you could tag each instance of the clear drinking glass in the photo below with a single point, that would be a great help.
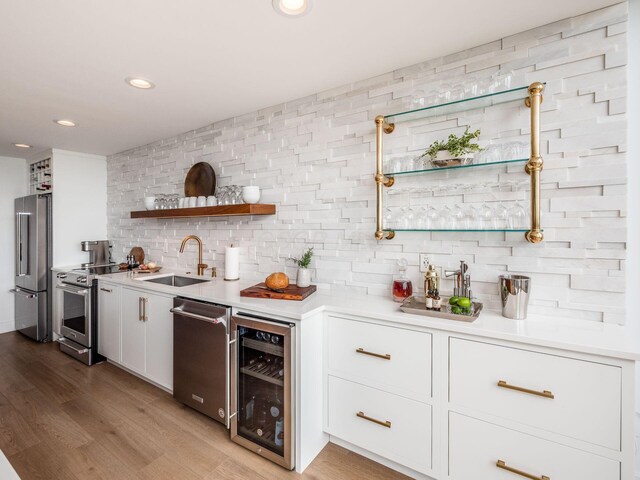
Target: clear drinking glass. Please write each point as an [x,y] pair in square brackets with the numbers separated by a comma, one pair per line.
[500,217]
[486,217]
[457,217]
[517,216]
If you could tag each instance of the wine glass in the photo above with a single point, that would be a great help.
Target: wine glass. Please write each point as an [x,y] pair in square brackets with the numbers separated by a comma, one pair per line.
[457,216]
[517,216]
[431,218]
[486,216]
[500,216]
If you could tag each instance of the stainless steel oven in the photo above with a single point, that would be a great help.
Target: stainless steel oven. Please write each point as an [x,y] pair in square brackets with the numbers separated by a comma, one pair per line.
[76,312]
[77,292]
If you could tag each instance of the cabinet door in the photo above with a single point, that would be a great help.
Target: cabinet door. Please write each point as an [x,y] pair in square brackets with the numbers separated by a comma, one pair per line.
[109,321]
[159,353]
[133,330]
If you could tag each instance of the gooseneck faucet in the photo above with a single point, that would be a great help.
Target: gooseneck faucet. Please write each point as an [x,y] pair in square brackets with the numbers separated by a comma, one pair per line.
[201,266]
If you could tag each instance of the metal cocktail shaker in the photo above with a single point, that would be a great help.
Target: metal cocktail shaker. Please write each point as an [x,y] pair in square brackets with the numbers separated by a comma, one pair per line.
[514,293]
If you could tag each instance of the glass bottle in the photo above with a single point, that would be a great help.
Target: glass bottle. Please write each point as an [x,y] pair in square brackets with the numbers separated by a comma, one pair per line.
[429,299]
[431,286]
[402,287]
[437,301]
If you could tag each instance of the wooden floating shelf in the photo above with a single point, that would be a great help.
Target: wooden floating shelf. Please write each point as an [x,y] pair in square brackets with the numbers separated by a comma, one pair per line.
[221,211]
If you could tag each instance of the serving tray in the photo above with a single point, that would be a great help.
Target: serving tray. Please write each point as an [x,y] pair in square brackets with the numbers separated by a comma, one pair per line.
[416,305]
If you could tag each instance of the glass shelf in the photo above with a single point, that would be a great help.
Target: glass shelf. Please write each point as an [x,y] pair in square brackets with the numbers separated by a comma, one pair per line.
[472,165]
[481,101]
[505,230]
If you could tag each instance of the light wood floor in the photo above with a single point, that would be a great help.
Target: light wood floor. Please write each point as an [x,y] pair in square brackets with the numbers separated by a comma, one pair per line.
[62,420]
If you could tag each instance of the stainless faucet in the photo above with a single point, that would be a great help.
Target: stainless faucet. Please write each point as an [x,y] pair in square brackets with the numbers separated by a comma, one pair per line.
[201,266]
[462,287]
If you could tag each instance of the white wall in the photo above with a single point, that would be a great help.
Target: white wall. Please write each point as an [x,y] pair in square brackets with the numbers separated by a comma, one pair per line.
[633,199]
[13,184]
[79,204]
[314,158]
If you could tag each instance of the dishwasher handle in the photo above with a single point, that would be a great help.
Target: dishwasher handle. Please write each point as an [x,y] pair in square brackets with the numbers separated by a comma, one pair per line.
[181,311]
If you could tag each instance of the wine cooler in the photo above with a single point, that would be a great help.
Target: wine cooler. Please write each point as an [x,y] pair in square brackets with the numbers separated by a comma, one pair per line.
[262,389]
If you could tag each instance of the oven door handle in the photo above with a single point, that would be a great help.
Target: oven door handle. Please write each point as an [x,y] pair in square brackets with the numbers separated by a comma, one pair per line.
[74,291]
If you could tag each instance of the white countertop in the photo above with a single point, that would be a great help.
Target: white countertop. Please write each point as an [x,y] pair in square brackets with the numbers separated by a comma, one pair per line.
[556,332]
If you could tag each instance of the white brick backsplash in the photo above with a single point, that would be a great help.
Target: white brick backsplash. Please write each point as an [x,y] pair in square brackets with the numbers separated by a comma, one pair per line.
[314,157]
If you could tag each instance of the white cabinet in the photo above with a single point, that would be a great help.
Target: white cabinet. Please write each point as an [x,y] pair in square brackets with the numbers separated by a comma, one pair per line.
[159,340]
[79,201]
[571,397]
[379,388]
[147,335]
[383,357]
[462,407]
[109,321]
[392,426]
[133,330]
[481,450]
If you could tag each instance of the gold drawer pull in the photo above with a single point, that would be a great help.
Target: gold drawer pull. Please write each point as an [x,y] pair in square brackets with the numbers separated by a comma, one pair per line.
[386,356]
[544,393]
[379,422]
[501,464]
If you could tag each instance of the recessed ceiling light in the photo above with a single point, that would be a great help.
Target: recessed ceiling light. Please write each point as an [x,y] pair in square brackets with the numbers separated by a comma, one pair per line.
[21,145]
[65,123]
[139,83]
[292,8]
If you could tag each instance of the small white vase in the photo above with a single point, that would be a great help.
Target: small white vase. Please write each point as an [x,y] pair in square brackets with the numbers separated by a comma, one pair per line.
[303,279]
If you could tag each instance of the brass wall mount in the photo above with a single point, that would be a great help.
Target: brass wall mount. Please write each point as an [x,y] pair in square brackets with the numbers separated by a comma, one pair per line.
[533,167]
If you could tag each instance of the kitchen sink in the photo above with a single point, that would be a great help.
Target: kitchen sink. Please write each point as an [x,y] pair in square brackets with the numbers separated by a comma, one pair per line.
[174,280]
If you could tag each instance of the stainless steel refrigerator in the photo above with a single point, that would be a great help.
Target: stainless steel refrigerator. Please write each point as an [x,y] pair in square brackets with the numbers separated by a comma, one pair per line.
[33,267]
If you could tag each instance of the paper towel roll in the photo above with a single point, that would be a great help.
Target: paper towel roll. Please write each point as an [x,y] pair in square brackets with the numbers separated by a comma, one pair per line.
[231,263]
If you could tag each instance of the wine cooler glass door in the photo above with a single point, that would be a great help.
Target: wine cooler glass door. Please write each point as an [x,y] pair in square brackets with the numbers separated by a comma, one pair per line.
[261,388]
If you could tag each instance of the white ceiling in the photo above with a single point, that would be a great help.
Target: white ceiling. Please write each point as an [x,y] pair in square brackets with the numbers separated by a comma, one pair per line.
[214,59]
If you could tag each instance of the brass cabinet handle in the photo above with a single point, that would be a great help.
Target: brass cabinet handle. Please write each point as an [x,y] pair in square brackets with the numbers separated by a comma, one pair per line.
[139,309]
[108,290]
[501,464]
[386,356]
[379,422]
[544,393]
[144,309]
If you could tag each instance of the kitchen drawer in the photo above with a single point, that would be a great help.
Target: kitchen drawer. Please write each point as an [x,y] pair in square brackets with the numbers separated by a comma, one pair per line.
[586,402]
[405,365]
[476,446]
[406,439]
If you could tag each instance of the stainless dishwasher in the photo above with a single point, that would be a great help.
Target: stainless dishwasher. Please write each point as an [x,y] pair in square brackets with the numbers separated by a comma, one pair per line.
[200,357]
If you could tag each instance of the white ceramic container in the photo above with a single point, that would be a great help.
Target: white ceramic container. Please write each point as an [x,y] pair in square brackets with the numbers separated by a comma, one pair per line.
[251,194]
[149,203]
[212,201]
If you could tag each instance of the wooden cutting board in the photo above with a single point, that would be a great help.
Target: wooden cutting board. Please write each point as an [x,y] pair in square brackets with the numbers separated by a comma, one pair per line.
[292,292]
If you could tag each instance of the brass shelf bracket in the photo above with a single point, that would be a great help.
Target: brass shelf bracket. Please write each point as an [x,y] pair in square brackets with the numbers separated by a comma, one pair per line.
[381,181]
[535,164]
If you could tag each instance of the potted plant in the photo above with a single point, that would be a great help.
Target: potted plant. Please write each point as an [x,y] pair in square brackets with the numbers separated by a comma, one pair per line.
[303,278]
[455,151]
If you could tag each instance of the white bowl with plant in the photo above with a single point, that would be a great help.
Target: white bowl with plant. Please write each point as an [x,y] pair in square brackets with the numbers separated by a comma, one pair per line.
[456,151]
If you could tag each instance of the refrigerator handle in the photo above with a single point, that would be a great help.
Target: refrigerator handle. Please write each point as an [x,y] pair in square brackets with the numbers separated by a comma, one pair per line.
[21,252]
[24,294]
[18,245]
